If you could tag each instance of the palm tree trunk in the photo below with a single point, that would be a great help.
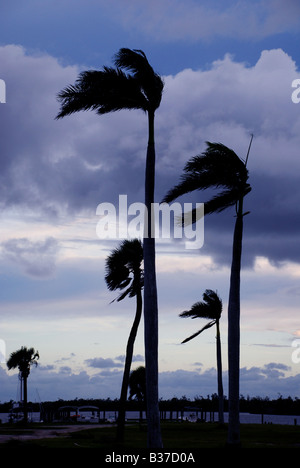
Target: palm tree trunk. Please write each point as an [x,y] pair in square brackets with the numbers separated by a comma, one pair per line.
[234,331]
[219,370]
[150,299]
[128,361]
[25,398]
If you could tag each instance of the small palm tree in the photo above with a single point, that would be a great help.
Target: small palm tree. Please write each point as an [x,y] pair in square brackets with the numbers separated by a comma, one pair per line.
[124,272]
[133,84]
[220,167]
[23,359]
[210,308]
[137,384]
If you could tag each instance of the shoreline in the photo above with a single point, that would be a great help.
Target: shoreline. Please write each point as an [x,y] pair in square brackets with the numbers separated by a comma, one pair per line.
[27,434]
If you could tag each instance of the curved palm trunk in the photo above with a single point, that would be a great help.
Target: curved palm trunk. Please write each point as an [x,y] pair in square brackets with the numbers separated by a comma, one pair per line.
[219,370]
[150,299]
[234,331]
[128,361]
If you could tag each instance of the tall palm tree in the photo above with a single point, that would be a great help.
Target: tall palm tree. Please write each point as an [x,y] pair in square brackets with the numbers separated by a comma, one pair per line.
[133,84]
[210,308]
[23,359]
[124,272]
[220,167]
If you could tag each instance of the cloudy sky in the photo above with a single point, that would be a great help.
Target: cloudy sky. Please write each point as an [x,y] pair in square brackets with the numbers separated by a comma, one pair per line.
[228,72]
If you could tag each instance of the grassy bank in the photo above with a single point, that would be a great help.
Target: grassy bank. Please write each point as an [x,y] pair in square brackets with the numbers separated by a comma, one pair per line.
[175,436]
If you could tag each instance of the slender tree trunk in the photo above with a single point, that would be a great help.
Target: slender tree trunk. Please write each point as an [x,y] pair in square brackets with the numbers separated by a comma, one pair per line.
[150,299]
[128,361]
[234,332]
[219,370]
[25,399]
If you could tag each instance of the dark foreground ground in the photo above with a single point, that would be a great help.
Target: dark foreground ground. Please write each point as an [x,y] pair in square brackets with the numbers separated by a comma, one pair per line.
[176,436]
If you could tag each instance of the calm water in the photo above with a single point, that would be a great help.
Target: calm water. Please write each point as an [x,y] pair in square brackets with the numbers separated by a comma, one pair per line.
[245,418]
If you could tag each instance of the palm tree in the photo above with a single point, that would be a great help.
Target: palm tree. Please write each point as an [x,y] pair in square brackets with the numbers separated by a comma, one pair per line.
[124,272]
[23,359]
[137,384]
[210,308]
[133,84]
[217,167]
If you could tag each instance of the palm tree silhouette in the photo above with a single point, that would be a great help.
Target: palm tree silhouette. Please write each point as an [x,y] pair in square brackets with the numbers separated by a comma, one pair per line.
[124,272]
[23,359]
[137,384]
[217,167]
[210,308]
[133,84]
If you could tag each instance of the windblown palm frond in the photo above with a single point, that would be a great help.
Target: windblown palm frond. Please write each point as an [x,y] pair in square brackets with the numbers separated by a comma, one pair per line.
[217,167]
[209,308]
[208,325]
[135,61]
[104,91]
[112,89]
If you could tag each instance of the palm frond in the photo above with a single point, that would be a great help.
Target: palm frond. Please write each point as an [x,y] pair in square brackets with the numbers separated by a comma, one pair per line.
[104,91]
[210,307]
[198,310]
[222,201]
[189,183]
[135,61]
[216,167]
[112,89]
[208,325]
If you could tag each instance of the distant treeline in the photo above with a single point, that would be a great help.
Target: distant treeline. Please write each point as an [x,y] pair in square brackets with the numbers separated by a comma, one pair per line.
[258,405]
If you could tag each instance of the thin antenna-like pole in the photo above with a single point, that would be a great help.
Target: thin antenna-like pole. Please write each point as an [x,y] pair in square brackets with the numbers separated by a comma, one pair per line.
[249,149]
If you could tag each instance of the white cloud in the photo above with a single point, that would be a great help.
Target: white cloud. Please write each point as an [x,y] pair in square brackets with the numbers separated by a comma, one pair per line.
[230,101]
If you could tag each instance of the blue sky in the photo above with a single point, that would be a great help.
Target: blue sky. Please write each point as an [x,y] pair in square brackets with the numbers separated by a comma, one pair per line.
[228,72]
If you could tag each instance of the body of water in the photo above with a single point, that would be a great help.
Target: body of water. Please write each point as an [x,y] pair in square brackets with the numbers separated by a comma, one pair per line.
[110,416]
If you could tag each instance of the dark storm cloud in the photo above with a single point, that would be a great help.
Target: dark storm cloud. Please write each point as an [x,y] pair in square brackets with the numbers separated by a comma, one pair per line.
[271,229]
[52,167]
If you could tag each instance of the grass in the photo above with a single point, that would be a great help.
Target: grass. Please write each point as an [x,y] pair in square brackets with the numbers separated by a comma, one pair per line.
[176,436]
